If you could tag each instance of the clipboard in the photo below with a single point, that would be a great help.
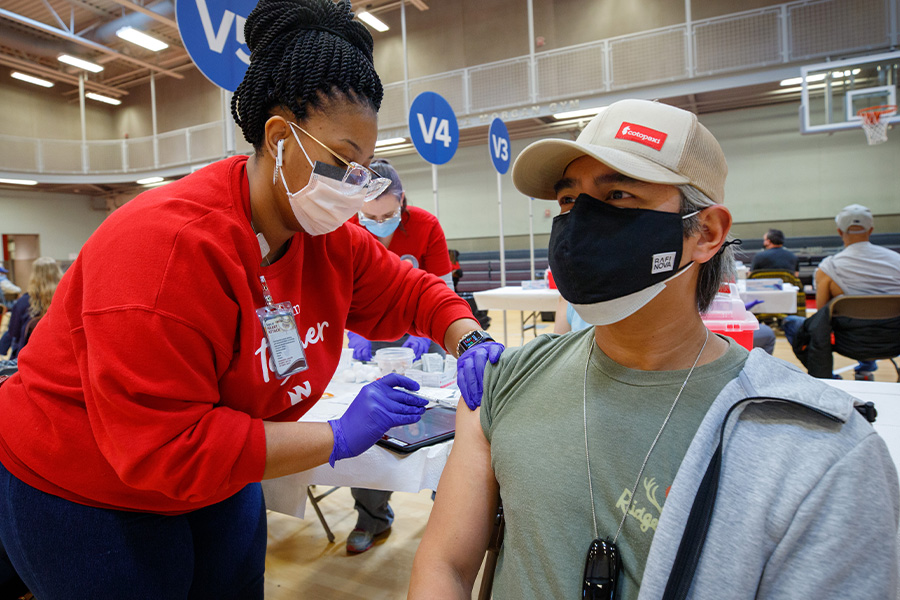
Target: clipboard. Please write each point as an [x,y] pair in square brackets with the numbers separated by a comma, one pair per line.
[437,424]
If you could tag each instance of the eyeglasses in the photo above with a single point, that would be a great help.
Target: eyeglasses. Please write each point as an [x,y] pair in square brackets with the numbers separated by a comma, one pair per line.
[382,219]
[356,175]
[601,571]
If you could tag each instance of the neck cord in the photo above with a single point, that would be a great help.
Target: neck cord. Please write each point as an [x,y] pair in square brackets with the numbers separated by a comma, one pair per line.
[646,458]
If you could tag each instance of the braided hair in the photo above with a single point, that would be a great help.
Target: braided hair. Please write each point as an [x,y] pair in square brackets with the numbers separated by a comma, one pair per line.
[303,54]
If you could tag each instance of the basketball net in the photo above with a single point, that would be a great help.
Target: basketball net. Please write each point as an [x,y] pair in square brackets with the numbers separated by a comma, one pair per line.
[874,122]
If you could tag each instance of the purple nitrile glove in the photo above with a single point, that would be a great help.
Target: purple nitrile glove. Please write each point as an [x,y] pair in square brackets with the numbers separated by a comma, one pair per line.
[470,370]
[376,408]
[752,303]
[419,345]
[362,348]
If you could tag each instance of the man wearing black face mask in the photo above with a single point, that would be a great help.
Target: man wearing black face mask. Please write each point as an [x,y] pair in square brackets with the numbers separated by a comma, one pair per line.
[598,441]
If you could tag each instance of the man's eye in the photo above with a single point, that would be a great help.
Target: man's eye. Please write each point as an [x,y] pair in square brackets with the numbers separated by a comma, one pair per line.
[564,200]
[618,195]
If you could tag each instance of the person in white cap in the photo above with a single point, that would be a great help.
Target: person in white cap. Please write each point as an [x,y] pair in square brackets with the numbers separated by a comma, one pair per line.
[860,269]
[619,449]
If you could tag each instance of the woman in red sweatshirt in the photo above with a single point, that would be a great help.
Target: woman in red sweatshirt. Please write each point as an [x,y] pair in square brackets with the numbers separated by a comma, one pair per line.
[199,322]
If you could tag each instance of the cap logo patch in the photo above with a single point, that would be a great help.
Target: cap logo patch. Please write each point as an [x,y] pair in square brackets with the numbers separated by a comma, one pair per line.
[642,135]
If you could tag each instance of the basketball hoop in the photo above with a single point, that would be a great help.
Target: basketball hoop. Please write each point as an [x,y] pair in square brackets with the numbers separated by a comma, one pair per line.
[874,122]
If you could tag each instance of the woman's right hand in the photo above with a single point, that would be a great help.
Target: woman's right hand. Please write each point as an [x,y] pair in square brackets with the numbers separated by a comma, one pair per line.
[362,348]
[376,408]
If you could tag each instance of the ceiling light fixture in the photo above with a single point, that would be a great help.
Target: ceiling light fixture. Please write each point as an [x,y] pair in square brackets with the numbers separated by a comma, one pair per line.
[81,64]
[149,180]
[135,36]
[106,99]
[819,77]
[31,79]
[19,181]
[372,21]
[574,114]
[390,142]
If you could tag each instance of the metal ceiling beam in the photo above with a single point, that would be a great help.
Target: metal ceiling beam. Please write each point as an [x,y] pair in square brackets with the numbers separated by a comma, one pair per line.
[39,69]
[84,42]
[141,9]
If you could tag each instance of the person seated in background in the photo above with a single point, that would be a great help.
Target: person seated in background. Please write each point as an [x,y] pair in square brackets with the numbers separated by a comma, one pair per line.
[7,287]
[860,269]
[31,306]
[597,442]
[775,256]
[457,271]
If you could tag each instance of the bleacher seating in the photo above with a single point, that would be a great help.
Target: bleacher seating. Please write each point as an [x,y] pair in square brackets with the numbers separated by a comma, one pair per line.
[481,270]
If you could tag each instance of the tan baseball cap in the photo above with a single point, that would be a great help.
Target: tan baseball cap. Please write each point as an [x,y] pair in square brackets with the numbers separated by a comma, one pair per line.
[855,216]
[646,140]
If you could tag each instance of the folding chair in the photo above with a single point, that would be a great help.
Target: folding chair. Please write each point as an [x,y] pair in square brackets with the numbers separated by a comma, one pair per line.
[852,317]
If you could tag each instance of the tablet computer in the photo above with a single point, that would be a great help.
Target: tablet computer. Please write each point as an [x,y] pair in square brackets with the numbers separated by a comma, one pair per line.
[437,424]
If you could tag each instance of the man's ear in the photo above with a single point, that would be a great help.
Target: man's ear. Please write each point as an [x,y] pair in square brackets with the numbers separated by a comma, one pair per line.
[276,129]
[715,223]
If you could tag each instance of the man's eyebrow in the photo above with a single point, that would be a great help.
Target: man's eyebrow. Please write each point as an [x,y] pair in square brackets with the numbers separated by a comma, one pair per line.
[617,178]
[565,182]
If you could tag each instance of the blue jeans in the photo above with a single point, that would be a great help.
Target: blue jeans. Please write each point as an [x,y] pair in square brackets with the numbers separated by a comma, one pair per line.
[68,551]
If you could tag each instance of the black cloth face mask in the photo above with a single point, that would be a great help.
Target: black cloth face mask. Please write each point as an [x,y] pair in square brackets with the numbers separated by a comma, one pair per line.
[608,262]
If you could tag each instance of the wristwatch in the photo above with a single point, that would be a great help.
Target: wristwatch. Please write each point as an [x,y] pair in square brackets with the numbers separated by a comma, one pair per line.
[473,338]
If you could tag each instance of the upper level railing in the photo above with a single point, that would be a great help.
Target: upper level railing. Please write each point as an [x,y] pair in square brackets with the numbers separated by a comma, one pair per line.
[776,35]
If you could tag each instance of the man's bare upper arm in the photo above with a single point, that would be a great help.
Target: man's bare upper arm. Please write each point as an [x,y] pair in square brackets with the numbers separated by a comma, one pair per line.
[461,521]
[826,288]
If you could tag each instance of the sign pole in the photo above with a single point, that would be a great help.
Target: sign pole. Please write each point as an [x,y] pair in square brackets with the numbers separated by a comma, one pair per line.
[434,190]
[498,146]
[502,247]
[531,233]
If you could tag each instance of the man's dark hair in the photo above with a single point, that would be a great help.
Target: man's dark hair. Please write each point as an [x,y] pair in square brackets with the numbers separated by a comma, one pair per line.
[303,54]
[775,236]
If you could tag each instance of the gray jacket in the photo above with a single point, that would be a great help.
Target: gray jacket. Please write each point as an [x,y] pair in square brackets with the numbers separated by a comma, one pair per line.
[807,507]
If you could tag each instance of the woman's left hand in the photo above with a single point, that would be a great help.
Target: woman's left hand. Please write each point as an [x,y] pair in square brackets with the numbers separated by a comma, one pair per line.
[419,345]
[470,370]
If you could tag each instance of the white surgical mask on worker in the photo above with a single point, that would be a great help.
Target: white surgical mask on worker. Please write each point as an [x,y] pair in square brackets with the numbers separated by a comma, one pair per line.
[327,200]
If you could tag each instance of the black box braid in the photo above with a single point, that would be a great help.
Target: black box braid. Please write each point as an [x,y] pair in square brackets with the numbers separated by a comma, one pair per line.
[303,52]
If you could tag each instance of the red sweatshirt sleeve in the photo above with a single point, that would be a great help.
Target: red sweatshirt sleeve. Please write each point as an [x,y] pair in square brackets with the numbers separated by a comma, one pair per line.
[391,298]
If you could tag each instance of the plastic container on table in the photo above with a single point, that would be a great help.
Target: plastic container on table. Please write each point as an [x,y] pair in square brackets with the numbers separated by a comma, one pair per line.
[727,316]
[394,360]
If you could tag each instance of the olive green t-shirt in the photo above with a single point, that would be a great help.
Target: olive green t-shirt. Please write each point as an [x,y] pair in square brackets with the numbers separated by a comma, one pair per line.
[533,415]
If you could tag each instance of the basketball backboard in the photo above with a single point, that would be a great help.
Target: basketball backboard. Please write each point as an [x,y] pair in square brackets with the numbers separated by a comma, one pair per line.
[833,92]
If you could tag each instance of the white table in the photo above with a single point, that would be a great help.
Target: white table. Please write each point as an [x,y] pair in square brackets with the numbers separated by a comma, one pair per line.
[515,298]
[376,468]
[530,302]
[773,301]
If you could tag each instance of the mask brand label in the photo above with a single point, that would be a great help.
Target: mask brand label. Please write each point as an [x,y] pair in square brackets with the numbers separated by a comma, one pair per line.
[663,262]
[642,135]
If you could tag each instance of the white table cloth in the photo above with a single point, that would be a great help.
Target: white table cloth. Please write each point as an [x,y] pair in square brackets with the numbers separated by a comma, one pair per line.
[515,298]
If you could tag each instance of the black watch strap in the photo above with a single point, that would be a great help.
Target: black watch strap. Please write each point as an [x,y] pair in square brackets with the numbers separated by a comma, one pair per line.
[473,338]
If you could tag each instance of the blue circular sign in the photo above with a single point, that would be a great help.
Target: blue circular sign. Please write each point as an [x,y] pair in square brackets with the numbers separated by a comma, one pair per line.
[433,128]
[213,34]
[498,144]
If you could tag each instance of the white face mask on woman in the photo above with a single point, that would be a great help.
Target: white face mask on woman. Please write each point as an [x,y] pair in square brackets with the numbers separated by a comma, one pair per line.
[332,195]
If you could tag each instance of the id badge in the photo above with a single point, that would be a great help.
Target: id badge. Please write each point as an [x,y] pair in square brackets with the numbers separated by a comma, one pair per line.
[284,339]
